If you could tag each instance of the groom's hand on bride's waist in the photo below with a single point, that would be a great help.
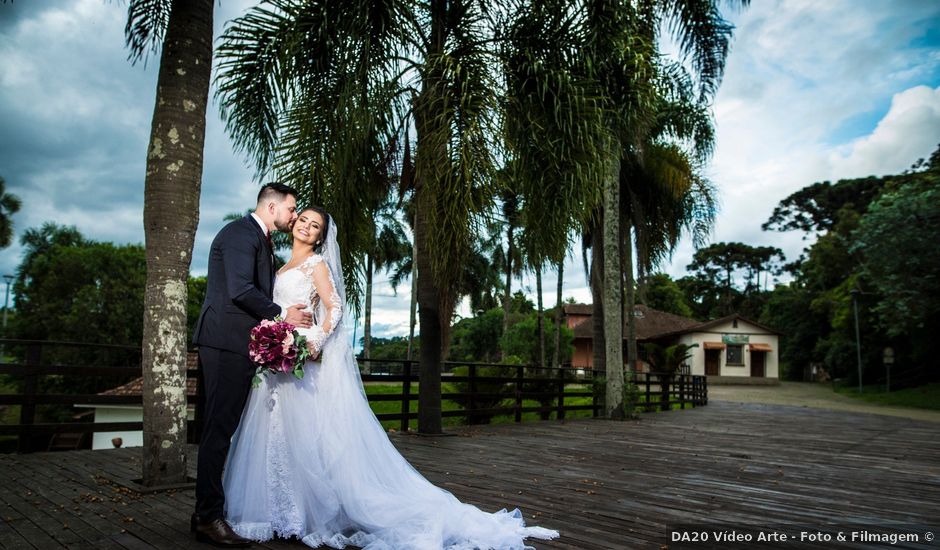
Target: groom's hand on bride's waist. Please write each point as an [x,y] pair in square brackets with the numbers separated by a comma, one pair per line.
[298,316]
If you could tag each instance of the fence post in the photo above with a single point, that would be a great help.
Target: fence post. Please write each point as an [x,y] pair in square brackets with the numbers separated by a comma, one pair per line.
[594,401]
[520,377]
[405,396]
[649,403]
[30,387]
[561,394]
[472,398]
[682,391]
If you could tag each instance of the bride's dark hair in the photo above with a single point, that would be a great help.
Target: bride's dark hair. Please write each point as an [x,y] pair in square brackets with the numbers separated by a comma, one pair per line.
[318,246]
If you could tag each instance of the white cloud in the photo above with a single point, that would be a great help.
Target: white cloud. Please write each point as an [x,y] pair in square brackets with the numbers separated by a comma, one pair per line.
[909,131]
[800,103]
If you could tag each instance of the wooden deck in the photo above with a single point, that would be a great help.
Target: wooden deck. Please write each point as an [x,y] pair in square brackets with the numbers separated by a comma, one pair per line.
[602,484]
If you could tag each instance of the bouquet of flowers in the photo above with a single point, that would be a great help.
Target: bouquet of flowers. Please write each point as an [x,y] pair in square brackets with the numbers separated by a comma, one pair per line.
[276,347]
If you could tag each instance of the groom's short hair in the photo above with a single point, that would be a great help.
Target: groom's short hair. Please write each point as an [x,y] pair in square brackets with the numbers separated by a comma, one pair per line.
[275,191]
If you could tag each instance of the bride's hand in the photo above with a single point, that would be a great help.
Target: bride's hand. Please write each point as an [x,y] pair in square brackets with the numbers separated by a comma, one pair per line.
[314,354]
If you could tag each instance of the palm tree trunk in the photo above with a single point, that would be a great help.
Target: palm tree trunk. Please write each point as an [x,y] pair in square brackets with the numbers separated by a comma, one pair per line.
[541,317]
[171,214]
[642,261]
[597,294]
[429,129]
[613,319]
[507,291]
[630,300]
[414,291]
[429,299]
[559,313]
[367,330]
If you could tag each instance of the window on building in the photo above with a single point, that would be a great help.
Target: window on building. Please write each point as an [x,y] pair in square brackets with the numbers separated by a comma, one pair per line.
[735,355]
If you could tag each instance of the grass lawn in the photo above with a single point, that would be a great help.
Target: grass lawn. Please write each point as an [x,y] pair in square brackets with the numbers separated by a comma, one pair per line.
[379,407]
[923,397]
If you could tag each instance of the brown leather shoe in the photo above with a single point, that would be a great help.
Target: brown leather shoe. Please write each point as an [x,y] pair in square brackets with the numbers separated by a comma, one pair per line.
[217,533]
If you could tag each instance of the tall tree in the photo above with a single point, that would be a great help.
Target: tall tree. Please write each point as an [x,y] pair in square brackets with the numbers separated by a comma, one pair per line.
[623,47]
[9,205]
[171,214]
[559,315]
[311,91]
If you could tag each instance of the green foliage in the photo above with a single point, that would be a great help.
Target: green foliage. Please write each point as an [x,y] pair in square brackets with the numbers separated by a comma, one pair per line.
[877,250]
[477,338]
[922,397]
[668,359]
[817,207]
[728,278]
[790,307]
[394,348]
[9,205]
[664,294]
[898,241]
[521,340]
[70,288]
[195,296]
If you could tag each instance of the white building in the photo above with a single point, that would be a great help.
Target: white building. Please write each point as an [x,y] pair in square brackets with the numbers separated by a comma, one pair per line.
[131,413]
[730,350]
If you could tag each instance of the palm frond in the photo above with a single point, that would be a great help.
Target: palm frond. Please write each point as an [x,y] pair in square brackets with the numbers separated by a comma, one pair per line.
[147,21]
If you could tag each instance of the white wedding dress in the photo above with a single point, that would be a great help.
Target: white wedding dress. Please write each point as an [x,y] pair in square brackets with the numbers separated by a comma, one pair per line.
[310,459]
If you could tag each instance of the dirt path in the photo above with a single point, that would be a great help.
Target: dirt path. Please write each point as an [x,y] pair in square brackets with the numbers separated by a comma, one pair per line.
[818,396]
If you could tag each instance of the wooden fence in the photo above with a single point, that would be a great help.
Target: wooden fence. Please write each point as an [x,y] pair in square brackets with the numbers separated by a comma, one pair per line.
[483,390]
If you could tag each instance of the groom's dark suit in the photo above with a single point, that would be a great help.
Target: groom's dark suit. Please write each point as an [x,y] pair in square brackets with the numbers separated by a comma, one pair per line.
[238,295]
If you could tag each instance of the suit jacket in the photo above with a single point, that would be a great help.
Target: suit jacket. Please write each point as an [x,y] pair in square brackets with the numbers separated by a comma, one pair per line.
[239,287]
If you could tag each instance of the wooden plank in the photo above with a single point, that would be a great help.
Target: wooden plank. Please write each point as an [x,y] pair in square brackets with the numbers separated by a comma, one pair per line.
[602,484]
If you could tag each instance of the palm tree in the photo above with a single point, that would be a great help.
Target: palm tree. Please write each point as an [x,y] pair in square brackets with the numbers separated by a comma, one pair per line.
[623,47]
[666,361]
[665,194]
[315,92]
[510,209]
[559,314]
[551,99]
[9,205]
[171,213]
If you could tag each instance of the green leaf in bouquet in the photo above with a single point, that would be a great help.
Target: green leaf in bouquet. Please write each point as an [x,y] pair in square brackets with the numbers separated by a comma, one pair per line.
[299,373]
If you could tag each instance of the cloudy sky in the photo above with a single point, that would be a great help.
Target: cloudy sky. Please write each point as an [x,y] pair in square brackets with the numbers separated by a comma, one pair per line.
[813,91]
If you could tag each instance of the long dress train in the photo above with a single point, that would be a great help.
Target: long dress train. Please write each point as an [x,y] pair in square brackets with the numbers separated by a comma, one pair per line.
[310,459]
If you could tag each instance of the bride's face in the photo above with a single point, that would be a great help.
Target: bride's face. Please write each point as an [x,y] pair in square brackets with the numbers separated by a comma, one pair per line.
[308,227]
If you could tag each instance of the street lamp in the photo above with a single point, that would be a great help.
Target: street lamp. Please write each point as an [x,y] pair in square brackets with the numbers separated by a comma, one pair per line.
[858,341]
[888,359]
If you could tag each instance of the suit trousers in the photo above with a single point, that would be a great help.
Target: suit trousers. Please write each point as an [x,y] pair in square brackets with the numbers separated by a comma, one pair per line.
[227,378]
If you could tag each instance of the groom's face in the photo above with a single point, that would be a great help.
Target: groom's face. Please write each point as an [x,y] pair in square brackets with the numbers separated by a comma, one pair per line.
[285,213]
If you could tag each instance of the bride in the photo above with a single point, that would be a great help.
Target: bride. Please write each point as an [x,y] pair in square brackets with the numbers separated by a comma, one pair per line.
[310,459]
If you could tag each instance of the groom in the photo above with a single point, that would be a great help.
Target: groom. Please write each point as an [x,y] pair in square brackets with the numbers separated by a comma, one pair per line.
[238,295]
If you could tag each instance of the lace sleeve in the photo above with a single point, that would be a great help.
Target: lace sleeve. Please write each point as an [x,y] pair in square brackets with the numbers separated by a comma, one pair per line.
[325,293]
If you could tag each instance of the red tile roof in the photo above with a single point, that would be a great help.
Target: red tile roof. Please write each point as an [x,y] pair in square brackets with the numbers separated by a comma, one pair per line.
[650,323]
[136,386]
